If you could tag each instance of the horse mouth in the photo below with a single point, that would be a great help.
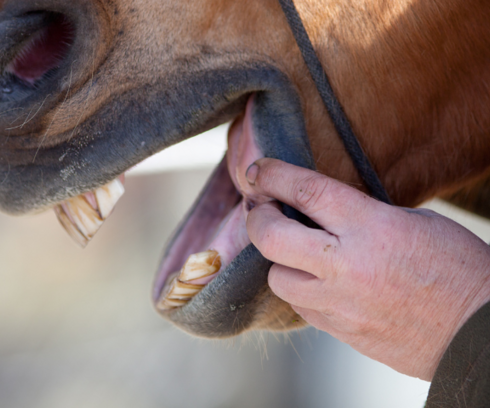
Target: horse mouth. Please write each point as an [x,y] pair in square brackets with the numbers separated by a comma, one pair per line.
[214,229]
[269,122]
[210,237]
[212,280]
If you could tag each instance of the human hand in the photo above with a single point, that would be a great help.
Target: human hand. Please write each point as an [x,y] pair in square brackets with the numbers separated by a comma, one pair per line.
[396,284]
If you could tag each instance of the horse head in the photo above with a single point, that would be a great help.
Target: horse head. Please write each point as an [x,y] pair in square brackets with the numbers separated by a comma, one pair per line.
[90,88]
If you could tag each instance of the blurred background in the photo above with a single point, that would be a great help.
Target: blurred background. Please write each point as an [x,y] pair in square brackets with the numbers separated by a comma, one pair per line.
[77,328]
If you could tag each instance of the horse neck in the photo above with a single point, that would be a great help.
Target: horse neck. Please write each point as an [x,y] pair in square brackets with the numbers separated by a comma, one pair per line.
[413,78]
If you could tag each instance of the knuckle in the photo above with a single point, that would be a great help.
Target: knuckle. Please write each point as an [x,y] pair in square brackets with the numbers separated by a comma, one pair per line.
[308,193]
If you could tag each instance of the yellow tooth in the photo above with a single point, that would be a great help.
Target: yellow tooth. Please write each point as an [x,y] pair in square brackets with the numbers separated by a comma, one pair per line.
[107,197]
[166,304]
[169,299]
[82,218]
[176,289]
[200,265]
[69,227]
[179,290]
[184,290]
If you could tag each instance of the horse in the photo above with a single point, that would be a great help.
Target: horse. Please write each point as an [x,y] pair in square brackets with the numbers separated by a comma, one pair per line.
[90,88]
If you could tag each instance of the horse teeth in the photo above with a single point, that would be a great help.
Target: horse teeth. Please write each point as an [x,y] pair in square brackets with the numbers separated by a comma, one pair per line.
[200,265]
[176,289]
[107,197]
[179,290]
[184,290]
[167,304]
[70,227]
[177,293]
[82,216]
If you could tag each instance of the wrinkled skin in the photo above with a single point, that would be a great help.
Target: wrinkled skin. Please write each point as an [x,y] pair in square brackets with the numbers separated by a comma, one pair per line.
[396,284]
[141,75]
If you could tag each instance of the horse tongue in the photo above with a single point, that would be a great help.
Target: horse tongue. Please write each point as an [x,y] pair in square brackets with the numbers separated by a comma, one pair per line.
[83,215]
[243,150]
[231,236]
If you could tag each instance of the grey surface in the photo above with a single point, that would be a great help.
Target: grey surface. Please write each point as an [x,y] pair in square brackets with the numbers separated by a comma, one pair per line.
[77,328]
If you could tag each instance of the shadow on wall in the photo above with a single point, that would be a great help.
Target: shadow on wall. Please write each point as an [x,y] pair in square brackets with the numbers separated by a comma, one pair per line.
[78,329]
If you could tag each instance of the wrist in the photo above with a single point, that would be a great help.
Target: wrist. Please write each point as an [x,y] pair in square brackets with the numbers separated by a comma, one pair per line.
[477,297]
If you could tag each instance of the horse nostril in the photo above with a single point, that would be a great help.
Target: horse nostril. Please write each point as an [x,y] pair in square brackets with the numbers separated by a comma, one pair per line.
[44,50]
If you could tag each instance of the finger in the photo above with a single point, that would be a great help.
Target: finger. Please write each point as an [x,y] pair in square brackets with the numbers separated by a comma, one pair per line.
[330,203]
[296,287]
[290,243]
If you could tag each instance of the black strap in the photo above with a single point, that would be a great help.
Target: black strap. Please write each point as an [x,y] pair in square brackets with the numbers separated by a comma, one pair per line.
[332,104]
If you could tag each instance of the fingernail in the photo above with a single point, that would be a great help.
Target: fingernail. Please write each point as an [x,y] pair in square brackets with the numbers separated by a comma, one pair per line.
[251,174]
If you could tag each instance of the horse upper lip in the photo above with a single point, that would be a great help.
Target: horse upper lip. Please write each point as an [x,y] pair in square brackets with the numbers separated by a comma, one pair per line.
[109,142]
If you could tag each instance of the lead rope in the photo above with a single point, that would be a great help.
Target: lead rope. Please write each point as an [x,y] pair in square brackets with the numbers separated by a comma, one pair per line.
[340,121]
